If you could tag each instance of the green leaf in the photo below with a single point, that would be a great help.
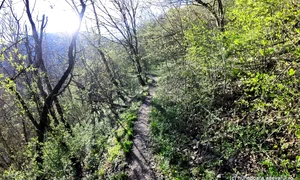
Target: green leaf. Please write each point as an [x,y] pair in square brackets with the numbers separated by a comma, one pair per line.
[297,133]
[292,72]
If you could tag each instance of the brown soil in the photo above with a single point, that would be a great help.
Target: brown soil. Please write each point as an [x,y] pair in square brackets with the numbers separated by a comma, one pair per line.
[140,159]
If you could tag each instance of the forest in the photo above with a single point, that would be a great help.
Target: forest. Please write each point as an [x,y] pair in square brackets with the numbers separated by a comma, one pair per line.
[210,86]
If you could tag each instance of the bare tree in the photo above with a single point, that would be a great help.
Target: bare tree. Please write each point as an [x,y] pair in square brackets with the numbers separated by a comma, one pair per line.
[105,59]
[59,87]
[120,22]
[30,84]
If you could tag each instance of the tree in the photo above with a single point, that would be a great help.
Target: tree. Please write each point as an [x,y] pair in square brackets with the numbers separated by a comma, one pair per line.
[121,24]
[217,10]
[30,84]
[2,3]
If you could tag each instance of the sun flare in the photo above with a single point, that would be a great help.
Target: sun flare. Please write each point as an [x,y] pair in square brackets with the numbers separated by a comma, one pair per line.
[62,22]
[61,17]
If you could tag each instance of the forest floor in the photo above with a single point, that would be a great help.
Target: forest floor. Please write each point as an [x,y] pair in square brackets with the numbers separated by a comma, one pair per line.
[140,159]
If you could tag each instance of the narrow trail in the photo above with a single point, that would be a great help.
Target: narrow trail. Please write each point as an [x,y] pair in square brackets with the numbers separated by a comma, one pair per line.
[140,159]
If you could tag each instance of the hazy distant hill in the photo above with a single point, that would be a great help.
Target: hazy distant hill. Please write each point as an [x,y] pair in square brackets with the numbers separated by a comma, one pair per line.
[55,51]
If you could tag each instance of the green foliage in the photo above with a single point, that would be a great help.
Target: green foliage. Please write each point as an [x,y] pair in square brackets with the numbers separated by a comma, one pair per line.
[162,40]
[227,101]
[170,160]
[172,144]
[119,145]
[260,31]
[235,95]
[100,153]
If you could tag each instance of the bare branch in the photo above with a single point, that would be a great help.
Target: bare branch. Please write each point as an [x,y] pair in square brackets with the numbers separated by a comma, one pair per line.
[217,11]
[2,4]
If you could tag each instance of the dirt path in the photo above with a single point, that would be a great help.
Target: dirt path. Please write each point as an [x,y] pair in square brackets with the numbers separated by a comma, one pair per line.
[140,158]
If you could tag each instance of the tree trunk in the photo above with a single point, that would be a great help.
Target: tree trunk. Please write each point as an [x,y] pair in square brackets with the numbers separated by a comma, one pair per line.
[139,71]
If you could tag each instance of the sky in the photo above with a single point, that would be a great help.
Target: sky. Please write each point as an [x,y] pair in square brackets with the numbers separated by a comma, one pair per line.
[61,16]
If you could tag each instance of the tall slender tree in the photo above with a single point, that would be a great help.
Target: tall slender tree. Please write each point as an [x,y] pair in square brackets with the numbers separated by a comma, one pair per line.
[120,21]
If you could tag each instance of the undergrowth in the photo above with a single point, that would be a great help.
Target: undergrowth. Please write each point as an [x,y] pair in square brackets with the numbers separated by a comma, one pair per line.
[259,138]
[119,145]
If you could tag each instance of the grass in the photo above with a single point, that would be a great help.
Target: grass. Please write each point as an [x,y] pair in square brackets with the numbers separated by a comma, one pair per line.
[119,145]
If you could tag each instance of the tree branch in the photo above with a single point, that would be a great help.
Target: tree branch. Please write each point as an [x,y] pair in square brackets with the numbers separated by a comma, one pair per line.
[2,4]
